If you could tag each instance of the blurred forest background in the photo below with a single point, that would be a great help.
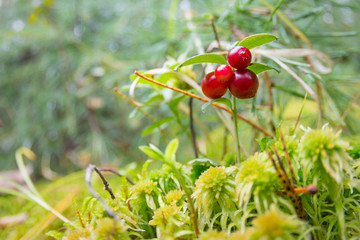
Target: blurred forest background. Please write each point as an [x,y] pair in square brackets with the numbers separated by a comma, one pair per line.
[60,60]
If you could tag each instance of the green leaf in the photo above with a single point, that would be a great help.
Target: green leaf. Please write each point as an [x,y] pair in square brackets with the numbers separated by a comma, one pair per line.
[152,153]
[156,149]
[133,77]
[175,101]
[133,112]
[225,101]
[180,234]
[208,16]
[265,143]
[154,99]
[144,168]
[202,58]
[333,107]
[229,159]
[256,40]
[55,234]
[172,67]
[290,91]
[14,192]
[197,170]
[171,149]
[260,67]
[208,161]
[150,202]
[155,125]
[296,63]
[85,204]
[354,152]
[165,77]
[200,165]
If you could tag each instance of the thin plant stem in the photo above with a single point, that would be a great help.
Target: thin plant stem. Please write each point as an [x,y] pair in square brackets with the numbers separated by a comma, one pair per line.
[88,173]
[236,128]
[151,118]
[269,86]
[301,110]
[272,15]
[288,22]
[32,193]
[20,162]
[106,184]
[187,191]
[287,157]
[225,143]
[116,173]
[192,128]
[231,130]
[351,104]
[215,32]
[319,88]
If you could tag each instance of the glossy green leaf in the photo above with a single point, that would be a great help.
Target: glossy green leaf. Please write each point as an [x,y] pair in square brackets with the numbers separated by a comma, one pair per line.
[260,67]
[155,125]
[202,58]
[225,101]
[256,40]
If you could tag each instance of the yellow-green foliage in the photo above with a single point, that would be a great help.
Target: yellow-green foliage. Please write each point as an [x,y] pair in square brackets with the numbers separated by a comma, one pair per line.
[141,194]
[255,176]
[108,228]
[175,197]
[236,202]
[325,150]
[79,233]
[274,224]
[169,218]
[214,187]
[292,146]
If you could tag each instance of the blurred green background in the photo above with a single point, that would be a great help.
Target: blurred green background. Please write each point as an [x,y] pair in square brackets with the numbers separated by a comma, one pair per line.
[60,60]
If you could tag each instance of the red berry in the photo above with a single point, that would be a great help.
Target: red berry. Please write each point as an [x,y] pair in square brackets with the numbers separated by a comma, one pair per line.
[244,84]
[223,73]
[212,87]
[239,57]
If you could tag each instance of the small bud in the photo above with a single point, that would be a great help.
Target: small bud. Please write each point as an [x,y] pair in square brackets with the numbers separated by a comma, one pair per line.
[312,189]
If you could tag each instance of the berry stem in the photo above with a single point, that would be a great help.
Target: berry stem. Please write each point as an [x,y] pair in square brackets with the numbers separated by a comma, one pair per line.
[192,128]
[236,128]
[254,125]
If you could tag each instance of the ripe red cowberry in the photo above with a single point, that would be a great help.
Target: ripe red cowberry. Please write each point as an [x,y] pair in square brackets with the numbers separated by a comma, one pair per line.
[244,84]
[239,57]
[223,73]
[212,87]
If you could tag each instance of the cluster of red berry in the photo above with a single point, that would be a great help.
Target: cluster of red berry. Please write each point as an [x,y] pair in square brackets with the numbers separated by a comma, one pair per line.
[242,83]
